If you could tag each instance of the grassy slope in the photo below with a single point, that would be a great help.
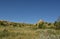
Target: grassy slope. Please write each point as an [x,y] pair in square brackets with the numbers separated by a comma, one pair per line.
[27,33]
[17,33]
[11,30]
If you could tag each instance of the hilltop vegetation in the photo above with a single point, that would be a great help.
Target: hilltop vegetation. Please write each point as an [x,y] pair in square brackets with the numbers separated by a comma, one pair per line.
[39,25]
[40,30]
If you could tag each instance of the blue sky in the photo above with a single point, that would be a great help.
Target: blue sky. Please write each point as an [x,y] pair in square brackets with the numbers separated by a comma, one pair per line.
[29,11]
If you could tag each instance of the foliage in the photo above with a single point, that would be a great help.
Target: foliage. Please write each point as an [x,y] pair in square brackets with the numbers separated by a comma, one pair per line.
[4,33]
[27,31]
[41,26]
[57,23]
[49,24]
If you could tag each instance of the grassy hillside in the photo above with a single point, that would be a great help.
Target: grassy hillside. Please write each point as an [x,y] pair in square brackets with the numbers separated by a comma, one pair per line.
[12,30]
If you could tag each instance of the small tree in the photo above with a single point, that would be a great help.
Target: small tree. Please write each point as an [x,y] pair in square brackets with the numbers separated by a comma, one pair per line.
[57,23]
[49,24]
[41,26]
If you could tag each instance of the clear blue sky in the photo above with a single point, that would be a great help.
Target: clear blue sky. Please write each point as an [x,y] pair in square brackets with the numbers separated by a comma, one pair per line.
[29,11]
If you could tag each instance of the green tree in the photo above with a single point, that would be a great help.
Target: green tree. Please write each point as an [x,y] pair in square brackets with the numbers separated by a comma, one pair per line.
[57,23]
[41,26]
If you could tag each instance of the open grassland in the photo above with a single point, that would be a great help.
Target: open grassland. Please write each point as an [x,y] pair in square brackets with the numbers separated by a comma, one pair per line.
[41,30]
[11,32]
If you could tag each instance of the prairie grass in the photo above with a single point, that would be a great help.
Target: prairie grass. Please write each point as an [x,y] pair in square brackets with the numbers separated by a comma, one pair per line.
[27,33]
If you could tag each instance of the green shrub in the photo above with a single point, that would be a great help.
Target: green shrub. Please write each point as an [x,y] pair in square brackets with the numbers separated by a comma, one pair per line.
[41,26]
[57,25]
[4,33]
